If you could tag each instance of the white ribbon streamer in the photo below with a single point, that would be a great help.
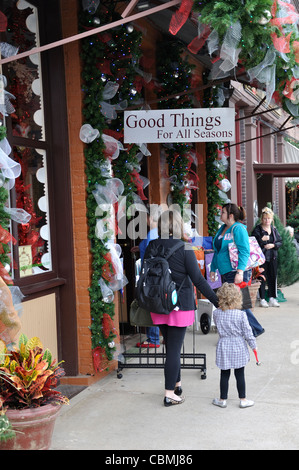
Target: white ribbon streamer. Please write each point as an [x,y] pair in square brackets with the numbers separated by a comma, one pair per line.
[18,215]
[229,52]
[88,134]
[110,90]
[213,42]
[112,145]
[4,145]
[7,50]
[90,5]
[109,110]
[9,168]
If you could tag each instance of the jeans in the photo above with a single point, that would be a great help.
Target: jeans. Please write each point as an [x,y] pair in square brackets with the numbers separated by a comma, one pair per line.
[256,327]
[153,334]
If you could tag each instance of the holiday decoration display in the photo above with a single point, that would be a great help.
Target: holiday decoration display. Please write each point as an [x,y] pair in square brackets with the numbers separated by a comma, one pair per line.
[217,154]
[231,32]
[113,79]
[293,219]
[175,75]
[8,171]
[259,36]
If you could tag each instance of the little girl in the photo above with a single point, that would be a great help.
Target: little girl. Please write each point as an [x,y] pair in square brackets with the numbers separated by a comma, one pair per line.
[232,351]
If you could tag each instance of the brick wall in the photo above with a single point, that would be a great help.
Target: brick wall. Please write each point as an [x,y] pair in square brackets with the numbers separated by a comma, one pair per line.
[82,257]
[78,185]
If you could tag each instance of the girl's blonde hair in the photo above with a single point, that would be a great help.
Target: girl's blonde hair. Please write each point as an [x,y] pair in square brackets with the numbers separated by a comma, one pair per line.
[230,297]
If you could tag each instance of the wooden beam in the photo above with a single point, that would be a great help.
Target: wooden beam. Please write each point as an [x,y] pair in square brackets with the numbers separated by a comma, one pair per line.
[277,169]
[100,29]
[129,8]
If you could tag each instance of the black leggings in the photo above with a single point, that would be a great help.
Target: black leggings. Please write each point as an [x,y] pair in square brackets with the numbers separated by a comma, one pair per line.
[173,340]
[271,278]
[240,378]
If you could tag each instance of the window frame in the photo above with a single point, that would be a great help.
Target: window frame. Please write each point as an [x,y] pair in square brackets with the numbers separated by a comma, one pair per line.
[36,283]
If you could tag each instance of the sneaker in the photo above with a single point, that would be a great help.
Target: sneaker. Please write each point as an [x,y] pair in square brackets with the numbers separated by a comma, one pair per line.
[273,302]
[264,303]
[246,403]
[221,403]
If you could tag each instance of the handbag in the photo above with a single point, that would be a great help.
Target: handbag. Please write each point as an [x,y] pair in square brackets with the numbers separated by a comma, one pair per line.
[246,298]
[256,256]
[139,316]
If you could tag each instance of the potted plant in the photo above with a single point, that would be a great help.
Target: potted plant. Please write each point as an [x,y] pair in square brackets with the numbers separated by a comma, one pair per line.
[29,404]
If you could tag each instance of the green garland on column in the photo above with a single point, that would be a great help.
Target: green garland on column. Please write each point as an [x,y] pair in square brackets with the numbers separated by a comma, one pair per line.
[4,217]
[106,57]
[174,75]
[214,172]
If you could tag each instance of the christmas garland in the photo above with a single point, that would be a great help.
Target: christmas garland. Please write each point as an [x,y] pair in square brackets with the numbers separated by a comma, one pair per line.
[216,164]
[175,75]
[110,58]
[5,237]
[259,35]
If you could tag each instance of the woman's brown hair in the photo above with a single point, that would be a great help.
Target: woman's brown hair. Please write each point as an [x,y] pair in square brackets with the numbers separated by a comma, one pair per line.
[237,211]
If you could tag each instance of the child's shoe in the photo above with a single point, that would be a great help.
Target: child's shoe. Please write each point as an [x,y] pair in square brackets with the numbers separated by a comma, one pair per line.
[264,303]
[246,403]
[221,403]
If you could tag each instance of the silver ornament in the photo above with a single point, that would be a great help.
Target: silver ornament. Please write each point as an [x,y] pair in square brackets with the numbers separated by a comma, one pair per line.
[265,18]
[111,344]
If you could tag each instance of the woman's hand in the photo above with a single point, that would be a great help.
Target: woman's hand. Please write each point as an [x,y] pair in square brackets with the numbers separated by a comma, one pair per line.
[239,277]
[269,246]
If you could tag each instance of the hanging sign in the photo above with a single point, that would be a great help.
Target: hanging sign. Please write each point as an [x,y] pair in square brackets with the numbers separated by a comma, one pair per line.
[180,125]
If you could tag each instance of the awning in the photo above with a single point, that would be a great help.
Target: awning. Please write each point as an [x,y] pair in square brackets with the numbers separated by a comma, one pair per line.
[291,155]
[278,169]
[289,169]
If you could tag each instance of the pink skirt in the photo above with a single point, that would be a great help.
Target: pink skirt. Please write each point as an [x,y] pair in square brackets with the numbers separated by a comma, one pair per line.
[175,318]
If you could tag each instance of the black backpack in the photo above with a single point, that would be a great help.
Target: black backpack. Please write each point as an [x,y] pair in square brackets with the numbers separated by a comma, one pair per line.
[155,290]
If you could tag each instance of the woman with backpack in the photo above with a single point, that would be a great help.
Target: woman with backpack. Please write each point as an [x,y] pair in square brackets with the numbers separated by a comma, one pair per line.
[185,273]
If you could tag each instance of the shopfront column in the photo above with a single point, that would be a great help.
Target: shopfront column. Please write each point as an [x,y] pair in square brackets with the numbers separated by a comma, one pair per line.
[249,186]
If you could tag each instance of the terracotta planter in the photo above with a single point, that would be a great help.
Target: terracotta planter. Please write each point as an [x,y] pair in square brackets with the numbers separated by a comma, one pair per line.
[253,290]
[34,428]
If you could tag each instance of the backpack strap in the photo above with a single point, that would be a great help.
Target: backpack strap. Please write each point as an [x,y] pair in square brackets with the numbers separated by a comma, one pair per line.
[172,250]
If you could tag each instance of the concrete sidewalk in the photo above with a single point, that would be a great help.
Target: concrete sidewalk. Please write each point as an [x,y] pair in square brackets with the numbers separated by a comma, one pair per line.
[128,413]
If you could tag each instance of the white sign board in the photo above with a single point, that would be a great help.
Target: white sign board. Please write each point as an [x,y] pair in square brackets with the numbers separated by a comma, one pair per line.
[180,125]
